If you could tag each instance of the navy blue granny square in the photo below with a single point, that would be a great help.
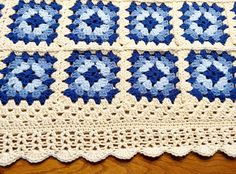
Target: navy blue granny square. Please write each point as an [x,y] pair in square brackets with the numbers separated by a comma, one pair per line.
[153,76]
[212,75]
[149,23]
[203,23]
[92,76]
[26,77]
[94,22]
[34,22]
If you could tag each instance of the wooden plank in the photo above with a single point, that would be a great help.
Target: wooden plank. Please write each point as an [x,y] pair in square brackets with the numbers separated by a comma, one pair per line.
[166,164]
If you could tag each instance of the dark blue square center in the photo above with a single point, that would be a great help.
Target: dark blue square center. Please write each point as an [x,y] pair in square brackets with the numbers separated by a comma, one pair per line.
[94,21]
[154,74]
[27,77]
[213,73]
[203,22]
[149,23]
[93,75]
[35,20]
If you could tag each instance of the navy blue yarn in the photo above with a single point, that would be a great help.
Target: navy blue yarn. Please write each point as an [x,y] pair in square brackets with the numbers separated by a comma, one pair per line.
[149,23]
[94,20]
[34,21]
[234,10]
[1,7]
[204,22]
[212,73]
[153,75]
[26,77]
[92,75]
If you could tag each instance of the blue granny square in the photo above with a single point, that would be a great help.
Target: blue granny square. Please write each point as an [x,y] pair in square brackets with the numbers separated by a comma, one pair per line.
[26,77]
[92,76]
[33,22]
[153,76]
[94,22]
[212,75]
[149,23]
[203,23]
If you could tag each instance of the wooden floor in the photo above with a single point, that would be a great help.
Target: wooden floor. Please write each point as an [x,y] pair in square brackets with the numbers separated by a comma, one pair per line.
[166,164]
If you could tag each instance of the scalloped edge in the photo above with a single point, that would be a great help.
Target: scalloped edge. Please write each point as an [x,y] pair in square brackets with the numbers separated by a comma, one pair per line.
[123,154]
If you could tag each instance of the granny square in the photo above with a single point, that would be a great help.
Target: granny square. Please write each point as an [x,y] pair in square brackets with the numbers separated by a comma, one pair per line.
[94,22]
[153,76]
[212,75]
[149,23]
[92,76]
[34,22]
[26,77]
[203,23]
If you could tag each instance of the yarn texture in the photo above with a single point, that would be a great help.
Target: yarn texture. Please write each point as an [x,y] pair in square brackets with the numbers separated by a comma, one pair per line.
[97,78]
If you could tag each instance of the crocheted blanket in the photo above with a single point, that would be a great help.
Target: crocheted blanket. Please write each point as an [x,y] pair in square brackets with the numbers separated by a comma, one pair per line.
[96,78]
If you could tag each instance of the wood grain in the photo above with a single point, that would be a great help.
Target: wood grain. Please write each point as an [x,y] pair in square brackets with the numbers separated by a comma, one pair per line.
[166,164]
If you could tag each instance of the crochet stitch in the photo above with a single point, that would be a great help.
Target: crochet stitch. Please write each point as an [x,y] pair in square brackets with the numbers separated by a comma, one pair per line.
[212,75]
[27,78]
[153,76]
[95,78]
[94,22]
[92,76]
[34,22]
[203,23]
[149,23]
